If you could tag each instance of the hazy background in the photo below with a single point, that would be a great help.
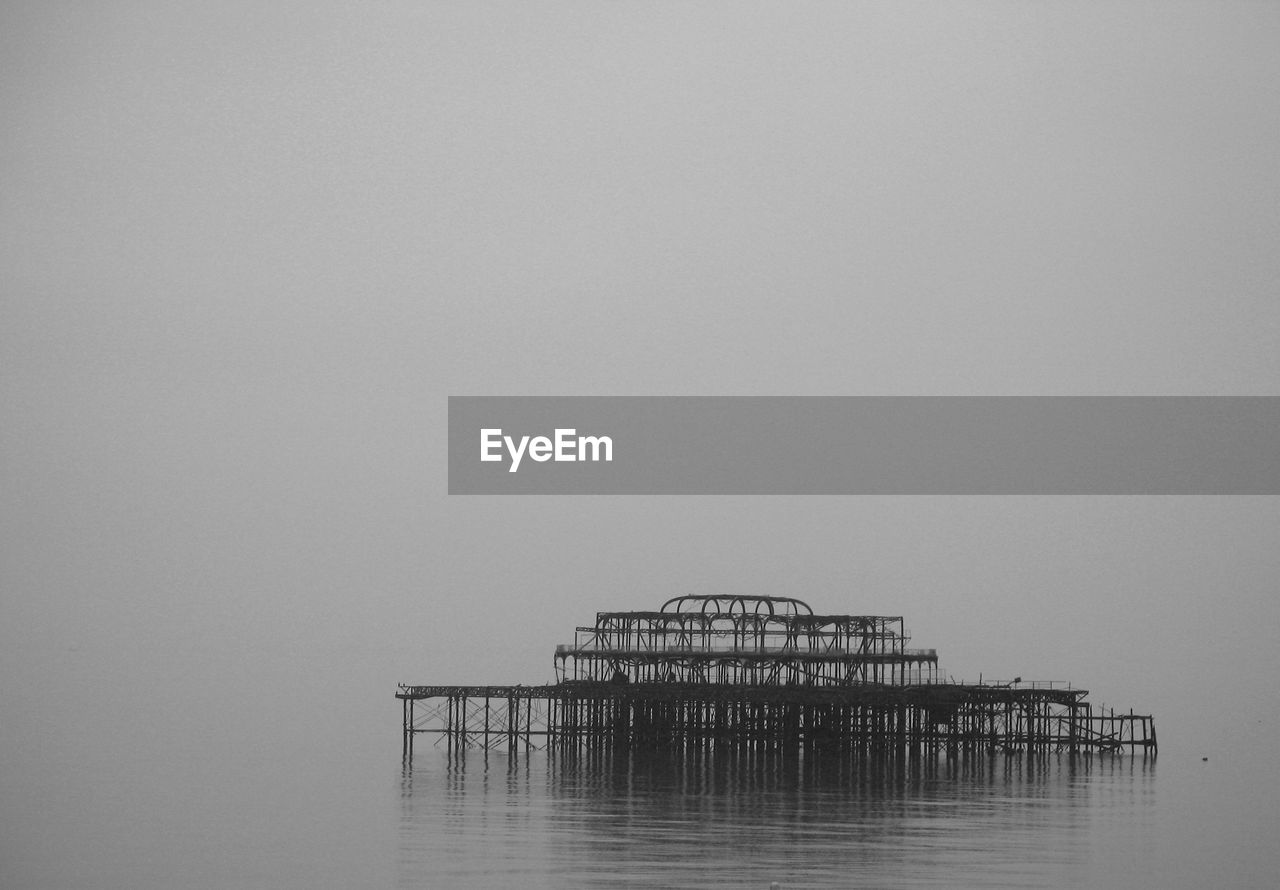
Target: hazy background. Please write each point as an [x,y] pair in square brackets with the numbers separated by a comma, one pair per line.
[248,250]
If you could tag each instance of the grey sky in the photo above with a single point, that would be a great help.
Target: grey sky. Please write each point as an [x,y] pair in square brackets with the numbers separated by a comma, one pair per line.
[248,250]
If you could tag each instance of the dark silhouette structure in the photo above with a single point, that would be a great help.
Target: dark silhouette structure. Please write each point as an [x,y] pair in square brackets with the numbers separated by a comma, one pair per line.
[763,673]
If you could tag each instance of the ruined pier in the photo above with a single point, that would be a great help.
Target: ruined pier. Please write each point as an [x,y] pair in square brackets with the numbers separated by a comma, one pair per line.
[767,674]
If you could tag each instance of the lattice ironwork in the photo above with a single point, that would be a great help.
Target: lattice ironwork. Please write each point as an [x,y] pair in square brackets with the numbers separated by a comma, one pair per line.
[753,641]
[762,673]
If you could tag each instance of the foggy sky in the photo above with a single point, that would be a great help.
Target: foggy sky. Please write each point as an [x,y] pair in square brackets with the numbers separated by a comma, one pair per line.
[248,251]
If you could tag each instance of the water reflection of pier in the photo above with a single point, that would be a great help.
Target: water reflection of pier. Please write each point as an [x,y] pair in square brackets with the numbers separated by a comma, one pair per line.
[764,674]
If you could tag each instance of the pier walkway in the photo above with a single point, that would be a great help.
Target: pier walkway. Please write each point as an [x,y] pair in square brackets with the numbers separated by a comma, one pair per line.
[920,718]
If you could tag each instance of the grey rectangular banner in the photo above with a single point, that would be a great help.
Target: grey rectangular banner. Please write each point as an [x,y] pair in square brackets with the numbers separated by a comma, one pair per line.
[864,445]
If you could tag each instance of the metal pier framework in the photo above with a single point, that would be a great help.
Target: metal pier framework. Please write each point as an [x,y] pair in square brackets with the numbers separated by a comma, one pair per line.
[762,673]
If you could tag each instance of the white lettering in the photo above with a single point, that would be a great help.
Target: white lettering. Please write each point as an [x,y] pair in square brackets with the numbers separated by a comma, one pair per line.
[516,453]
[596,443]
[540,449]
[563,447]
[488,441]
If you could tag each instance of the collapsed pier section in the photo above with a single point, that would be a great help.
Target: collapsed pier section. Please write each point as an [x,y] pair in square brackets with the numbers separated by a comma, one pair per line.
[763,673]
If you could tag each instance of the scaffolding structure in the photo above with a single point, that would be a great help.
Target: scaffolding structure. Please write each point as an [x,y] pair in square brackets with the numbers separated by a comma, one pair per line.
[762,673]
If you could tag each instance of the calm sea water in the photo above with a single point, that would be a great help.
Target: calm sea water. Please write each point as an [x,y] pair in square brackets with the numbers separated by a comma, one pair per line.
[739,821]
[218,807]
